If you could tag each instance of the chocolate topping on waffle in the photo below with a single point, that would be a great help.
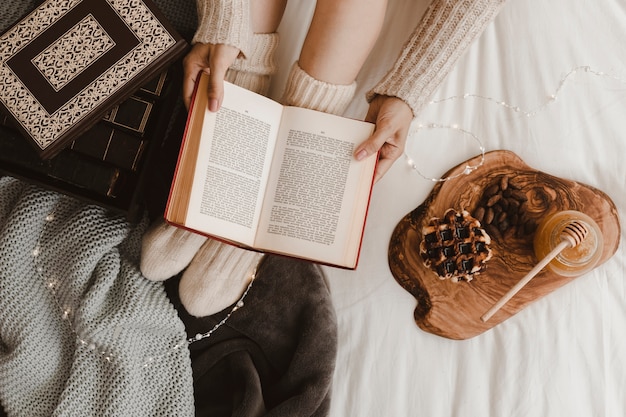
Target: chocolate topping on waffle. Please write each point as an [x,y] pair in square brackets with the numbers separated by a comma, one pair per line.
[455,246]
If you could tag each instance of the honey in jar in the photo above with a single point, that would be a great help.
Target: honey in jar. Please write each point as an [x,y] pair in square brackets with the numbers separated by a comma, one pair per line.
[573,261]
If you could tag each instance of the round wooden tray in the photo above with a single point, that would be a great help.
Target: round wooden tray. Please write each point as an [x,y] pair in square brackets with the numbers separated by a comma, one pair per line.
[453,310]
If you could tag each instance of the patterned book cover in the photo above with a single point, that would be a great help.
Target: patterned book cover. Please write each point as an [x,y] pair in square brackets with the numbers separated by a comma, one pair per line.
[64,65]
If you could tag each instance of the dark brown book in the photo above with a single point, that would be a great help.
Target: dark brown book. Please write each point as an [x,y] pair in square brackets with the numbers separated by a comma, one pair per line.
[67,63]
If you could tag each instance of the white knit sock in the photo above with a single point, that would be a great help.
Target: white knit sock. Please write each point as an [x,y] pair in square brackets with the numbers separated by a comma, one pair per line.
[216,278]
[303,90]
[255,71]
[219,273]
[166,250]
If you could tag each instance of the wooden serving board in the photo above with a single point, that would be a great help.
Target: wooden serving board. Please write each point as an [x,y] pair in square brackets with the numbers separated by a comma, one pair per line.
[453,310]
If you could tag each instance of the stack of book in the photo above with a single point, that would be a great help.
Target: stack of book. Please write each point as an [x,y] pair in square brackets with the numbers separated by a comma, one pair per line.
[84,82]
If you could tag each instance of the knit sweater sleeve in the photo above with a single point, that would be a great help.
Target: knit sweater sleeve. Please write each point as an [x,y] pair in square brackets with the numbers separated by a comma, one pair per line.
[444,33]
[224,21]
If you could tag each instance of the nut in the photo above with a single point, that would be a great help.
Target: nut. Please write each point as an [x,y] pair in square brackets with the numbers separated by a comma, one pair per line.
[502,209]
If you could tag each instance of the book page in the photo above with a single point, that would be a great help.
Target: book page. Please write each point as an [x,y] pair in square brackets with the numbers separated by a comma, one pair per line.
[318,194]
[232,168]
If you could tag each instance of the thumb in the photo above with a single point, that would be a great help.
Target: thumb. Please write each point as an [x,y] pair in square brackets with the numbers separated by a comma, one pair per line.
[216,88]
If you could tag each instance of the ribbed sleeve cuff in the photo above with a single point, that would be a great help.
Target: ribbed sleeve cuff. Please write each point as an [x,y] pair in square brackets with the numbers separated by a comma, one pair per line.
[260,60]
[226,22]
[254,71]
[441,37]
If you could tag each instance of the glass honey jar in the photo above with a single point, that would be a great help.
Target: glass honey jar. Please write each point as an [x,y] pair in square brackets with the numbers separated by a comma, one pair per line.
[571,261]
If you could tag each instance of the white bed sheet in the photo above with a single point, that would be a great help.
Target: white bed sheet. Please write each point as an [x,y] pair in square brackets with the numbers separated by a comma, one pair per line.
[564,355]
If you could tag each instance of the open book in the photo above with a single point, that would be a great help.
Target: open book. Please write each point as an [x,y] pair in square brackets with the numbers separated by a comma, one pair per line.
[273,178]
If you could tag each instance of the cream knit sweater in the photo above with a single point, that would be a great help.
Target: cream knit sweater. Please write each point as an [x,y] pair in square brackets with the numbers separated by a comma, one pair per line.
[224,21]
[447,28]
[444,33]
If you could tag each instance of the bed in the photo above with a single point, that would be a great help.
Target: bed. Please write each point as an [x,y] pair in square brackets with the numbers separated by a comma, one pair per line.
[565,353]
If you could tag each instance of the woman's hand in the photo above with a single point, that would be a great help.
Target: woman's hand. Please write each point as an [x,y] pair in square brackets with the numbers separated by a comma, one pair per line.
[392,117]
[215,59]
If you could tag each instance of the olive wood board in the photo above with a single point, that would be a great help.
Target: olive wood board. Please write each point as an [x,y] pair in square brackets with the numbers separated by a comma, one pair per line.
[453,309]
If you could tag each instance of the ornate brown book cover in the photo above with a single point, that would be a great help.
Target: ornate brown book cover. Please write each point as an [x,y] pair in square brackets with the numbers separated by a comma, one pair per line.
[65,64]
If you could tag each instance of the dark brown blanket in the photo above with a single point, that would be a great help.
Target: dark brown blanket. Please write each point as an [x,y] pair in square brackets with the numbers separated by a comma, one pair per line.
[273,357]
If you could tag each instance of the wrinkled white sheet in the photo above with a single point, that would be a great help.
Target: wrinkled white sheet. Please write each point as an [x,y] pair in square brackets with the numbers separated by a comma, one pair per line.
[564,355]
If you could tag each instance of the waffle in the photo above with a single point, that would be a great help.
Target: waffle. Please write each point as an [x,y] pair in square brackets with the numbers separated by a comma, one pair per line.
[455,247]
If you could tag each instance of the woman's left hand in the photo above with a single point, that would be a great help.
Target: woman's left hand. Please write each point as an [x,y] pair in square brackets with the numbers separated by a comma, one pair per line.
[392,117]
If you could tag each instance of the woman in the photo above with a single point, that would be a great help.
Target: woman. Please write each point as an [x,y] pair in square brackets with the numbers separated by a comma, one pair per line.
[236,40]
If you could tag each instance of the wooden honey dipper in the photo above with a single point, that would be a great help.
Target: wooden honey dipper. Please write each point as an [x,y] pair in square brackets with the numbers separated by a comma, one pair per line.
[571,235]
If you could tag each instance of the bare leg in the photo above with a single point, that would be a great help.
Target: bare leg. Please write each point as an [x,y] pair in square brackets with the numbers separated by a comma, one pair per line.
[340,38]
[267,14]
[219,273]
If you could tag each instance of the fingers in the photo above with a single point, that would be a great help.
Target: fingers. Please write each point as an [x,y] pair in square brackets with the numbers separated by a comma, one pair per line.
[389,144]
[195,61]
[220,59]
[188,87]
[389,154]
[381,133]
[216,90]
[213,59]
[392,117]
[373,143]
[382,167]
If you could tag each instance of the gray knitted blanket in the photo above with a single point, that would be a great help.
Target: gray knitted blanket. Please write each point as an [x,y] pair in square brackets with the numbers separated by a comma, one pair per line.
[82,332]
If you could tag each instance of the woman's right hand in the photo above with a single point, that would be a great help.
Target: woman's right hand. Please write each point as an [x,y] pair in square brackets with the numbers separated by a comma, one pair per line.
[393,118]
[214,59]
